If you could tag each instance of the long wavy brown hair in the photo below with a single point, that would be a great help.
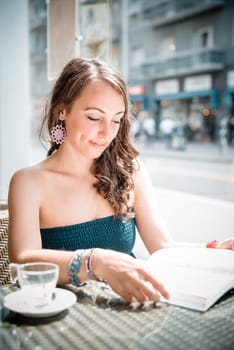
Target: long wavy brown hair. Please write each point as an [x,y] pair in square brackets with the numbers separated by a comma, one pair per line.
[115,168]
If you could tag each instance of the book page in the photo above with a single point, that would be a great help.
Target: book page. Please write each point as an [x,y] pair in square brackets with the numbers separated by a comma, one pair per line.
[217,260]
[198,283]
[195,277]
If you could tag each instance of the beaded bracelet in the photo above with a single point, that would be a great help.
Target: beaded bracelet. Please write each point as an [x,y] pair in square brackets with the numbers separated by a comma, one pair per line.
[89,271]
[74,265]
[212,244]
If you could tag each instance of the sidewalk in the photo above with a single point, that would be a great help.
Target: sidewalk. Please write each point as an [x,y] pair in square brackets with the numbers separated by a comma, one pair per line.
[195,151]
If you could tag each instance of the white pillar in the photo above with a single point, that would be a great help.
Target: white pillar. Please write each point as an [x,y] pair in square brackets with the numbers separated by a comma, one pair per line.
[14,90]
[125,39]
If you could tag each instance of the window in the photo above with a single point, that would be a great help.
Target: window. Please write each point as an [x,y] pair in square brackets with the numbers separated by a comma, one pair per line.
[168,46]
[205,37]
[138,55]
[233,32]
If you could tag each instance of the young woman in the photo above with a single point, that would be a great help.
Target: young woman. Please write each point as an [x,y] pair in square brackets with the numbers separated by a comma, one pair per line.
[79,207]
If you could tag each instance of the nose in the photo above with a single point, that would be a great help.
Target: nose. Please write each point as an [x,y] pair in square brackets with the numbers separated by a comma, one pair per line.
[104,129]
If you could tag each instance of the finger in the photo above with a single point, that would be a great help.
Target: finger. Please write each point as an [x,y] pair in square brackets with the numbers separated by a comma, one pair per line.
[139,295]
[231,244]
[227,244]
[127,296]
[149,291]
[159,286]
[124,292]
[131,292]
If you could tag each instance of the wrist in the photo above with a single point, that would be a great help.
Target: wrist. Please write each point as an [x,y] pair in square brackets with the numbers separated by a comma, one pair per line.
[74,267]
[95,264]
[212,244]
[89,265]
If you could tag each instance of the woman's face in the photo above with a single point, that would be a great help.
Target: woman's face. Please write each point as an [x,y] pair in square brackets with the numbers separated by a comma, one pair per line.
[94,119]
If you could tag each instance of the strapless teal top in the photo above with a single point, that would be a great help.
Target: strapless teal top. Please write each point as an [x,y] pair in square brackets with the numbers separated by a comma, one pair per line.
[108,233]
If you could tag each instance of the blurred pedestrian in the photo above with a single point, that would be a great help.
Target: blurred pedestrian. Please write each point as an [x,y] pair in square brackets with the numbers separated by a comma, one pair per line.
[166,127]
[143,127]
[223,134]
[230,131]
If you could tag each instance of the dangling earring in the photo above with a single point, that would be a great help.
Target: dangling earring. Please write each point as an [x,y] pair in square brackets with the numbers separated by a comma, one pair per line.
[58,133]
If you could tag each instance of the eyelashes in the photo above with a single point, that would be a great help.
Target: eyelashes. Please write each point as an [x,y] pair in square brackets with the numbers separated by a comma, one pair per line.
[93,119]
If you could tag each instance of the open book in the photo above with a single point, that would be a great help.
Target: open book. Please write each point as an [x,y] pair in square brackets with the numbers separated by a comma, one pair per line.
[195,277]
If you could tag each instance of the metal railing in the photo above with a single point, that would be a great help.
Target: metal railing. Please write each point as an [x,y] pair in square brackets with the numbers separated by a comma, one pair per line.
[158,13]
[209,58]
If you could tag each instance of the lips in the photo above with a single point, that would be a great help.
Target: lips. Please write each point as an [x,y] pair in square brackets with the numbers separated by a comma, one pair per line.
[99,145]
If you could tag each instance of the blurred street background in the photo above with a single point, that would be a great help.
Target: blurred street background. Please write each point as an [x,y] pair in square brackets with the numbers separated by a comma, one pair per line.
[177,59]
[200,170]
[194,190]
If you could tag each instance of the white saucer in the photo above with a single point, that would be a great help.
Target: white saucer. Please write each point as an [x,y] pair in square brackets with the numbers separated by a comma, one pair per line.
[16,302]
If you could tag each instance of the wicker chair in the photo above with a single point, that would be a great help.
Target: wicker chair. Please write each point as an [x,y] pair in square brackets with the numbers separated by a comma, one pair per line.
[4,260]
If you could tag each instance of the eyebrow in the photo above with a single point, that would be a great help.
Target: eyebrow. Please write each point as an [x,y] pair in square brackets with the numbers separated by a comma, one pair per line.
[101,111]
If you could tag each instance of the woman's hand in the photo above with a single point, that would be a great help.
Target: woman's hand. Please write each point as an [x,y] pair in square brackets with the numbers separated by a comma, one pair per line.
[226,244]
[127,276]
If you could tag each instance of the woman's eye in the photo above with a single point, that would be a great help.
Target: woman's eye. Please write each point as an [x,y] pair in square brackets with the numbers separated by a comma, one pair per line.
[93,119]
[117,121]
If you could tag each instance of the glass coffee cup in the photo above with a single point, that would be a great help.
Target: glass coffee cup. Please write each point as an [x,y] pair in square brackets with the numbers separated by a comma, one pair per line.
[37,281]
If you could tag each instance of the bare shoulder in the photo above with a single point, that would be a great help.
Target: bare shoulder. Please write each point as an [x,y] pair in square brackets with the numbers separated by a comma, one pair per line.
[26,180]
[141,174]
[138,165]
[27,175]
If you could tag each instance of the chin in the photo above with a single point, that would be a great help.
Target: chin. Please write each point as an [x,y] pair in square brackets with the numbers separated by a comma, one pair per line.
[99,155]
[95,155]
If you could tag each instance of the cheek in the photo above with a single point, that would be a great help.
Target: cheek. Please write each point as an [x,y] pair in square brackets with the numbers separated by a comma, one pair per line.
[118,130]
[76,127]
[115,133]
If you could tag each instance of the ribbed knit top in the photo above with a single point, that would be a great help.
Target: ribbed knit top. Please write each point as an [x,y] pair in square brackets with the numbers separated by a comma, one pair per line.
[108,233]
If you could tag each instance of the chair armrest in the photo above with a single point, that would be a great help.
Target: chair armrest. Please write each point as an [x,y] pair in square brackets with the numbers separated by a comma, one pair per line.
[4,258]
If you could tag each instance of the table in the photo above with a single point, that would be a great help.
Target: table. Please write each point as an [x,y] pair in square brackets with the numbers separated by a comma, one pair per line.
[102,320]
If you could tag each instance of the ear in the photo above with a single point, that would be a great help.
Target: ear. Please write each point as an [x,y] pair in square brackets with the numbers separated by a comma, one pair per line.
[62,114]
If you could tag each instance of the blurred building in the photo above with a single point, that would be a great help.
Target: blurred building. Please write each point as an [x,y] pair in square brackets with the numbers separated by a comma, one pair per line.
[177,56]
[39,83]
[181,62]
[62,29]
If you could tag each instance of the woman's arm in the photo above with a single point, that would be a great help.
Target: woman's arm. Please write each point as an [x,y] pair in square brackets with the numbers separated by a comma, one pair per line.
[149,222]
[24,241]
